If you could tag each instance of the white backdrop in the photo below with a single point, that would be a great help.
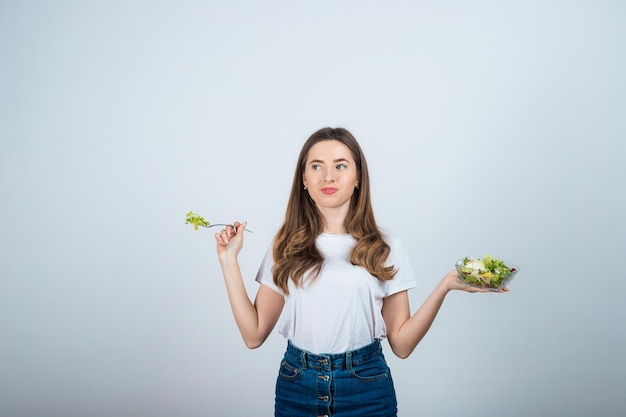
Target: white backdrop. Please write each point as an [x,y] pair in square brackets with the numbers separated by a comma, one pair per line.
[489,126]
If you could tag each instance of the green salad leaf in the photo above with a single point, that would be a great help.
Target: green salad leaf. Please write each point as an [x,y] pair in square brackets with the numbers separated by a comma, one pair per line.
[196,220]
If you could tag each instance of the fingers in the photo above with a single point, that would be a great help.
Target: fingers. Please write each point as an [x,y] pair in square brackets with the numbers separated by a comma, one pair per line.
[470,288]
[224,235]
[484,290]
[227,233]
[221,239]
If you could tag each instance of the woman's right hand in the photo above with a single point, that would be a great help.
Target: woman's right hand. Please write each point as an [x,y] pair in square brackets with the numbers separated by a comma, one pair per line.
[453,281]
[230,241]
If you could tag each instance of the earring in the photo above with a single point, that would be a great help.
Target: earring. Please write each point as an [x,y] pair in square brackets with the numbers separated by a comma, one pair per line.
[305,187]
[357,186]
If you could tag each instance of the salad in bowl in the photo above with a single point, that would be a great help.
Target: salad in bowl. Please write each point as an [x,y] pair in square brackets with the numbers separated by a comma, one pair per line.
[487,272]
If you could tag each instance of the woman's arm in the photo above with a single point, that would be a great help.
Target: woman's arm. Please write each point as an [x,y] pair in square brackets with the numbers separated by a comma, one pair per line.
[255,321]
[404,331]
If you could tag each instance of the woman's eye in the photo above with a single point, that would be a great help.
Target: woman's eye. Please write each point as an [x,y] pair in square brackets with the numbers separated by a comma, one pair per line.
[315,167]
[341,166]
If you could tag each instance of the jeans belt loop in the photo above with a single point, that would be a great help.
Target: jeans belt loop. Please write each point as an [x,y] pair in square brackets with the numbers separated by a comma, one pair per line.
[349,361]
[304,360]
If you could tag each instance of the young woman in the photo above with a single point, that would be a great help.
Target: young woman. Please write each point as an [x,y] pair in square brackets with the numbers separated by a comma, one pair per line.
[339,285]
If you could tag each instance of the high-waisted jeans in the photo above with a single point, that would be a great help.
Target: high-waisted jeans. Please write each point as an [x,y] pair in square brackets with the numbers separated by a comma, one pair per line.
[355,383]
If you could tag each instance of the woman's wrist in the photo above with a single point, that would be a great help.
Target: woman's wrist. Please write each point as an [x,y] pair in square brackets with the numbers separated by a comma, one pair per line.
[442,287]
[227,262]
[450,281]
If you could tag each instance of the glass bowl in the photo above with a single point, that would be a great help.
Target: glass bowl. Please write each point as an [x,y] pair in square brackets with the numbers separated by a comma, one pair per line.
[472,273]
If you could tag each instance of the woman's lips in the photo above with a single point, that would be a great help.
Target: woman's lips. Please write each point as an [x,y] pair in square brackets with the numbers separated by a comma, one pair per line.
[329,190]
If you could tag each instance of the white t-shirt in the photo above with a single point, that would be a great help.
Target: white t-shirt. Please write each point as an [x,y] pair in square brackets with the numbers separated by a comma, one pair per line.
[341,309]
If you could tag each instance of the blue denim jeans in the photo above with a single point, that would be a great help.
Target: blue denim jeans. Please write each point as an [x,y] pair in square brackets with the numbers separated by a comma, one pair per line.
[356,383]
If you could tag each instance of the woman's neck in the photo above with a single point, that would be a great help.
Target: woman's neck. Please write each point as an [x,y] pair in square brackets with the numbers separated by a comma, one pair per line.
[334,222]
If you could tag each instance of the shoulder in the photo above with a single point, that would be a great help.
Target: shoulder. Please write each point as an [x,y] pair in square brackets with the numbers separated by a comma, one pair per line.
[390,238]
[400,259]
[398,252]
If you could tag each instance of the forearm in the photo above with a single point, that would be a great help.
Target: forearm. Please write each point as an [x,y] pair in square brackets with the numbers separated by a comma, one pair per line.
[415,328]
[243,309]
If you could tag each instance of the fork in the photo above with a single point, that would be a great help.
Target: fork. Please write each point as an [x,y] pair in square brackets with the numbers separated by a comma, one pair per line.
[222,224]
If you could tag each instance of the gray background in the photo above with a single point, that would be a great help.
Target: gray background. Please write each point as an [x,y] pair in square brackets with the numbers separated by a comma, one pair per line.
[489,127]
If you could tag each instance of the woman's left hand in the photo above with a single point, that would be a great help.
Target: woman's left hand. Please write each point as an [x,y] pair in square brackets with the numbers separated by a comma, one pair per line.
[454,282]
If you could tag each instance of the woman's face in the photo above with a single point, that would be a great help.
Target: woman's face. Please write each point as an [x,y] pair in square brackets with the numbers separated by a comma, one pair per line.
[330,175]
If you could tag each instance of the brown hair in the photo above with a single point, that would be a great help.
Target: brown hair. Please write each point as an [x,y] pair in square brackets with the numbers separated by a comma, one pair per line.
[295,252]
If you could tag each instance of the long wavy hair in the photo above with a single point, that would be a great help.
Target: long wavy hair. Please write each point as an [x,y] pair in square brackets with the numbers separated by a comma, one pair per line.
[295,252]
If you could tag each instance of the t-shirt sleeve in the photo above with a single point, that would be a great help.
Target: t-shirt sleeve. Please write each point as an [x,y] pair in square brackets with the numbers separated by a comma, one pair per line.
[265,276]
[404,278]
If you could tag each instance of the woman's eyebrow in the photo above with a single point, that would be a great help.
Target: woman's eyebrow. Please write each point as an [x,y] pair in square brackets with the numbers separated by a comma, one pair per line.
[319,161]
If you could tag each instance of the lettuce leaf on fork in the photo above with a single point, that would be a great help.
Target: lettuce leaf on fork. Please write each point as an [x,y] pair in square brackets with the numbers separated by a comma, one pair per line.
[196,220]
